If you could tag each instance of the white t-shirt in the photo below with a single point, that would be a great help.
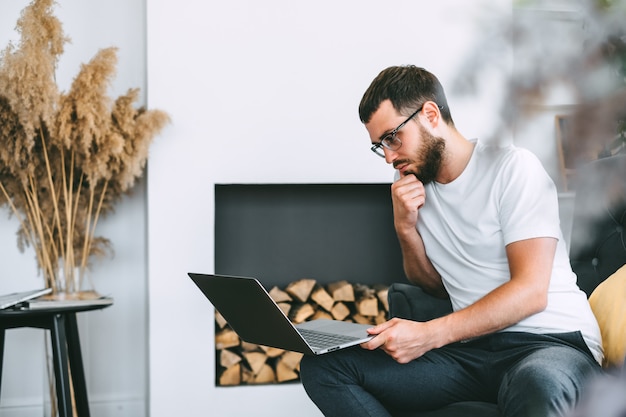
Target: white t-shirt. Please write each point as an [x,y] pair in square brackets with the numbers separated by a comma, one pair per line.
[503,195]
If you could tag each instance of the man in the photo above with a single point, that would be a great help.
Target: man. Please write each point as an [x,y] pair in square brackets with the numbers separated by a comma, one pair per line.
[478,224]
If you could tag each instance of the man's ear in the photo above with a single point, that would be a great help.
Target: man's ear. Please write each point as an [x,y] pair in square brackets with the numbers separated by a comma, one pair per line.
[432,113]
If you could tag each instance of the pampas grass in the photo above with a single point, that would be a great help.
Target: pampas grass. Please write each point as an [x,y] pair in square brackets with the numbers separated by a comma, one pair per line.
[66,158]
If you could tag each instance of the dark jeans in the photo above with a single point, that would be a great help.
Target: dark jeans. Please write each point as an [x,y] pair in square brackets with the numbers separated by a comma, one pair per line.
[525,374]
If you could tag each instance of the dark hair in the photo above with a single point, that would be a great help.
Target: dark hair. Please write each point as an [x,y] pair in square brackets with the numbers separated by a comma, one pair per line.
[407,87]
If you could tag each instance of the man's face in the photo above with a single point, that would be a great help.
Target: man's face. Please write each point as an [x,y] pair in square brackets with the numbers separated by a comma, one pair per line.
[421,153]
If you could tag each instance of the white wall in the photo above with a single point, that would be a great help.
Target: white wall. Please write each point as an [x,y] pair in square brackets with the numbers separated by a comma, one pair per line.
[114,340]
[268,92]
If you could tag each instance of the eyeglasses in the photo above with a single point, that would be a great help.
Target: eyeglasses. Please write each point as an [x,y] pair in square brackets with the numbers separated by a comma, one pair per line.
[391,141]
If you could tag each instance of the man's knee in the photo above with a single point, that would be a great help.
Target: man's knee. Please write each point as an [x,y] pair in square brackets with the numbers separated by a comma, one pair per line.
[541,384]
[310,370]
[323,369]
[547,383]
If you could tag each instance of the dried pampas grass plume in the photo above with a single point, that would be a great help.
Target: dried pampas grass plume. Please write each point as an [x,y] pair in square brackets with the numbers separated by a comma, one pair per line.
[65,158]
[27,71]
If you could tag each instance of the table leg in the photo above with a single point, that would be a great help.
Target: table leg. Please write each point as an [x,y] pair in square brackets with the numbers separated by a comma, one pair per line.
[76,366]
[2,331]
[60,359]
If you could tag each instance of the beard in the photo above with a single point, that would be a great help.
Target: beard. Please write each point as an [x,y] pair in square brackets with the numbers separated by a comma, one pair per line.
[429,157]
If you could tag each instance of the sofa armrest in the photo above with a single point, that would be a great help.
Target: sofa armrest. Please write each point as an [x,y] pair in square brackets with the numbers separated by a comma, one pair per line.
[411,302]
[597,247]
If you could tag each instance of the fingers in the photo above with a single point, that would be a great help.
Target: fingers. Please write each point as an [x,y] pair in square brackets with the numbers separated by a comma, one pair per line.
[381,327]
[408,188]
[408,196]
[399,339]
[381,333]
[379,340]
[409,191]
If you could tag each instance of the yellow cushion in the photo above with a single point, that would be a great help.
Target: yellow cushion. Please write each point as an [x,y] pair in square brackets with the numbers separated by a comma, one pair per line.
[608,302]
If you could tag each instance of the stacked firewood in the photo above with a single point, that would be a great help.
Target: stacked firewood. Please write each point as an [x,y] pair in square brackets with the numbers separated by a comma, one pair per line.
[241,363]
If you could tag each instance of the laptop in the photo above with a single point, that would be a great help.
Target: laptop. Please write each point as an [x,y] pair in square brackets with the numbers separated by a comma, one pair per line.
[16,298]
[256,318]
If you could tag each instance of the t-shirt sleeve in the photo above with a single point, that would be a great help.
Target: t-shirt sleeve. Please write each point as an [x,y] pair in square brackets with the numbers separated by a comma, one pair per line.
[529,204]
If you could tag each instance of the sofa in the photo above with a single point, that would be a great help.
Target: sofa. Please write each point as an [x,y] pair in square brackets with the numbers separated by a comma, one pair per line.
[597,252]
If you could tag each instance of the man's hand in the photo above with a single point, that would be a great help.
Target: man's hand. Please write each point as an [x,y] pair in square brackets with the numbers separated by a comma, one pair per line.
[403,340]
[407,195]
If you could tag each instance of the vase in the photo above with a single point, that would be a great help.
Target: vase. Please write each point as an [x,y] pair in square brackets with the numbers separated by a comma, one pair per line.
[73,284]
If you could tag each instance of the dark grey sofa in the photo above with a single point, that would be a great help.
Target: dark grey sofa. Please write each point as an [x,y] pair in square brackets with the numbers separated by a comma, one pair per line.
[597,250]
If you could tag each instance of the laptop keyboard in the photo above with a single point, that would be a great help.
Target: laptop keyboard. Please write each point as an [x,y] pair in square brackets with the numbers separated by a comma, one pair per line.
[324,340]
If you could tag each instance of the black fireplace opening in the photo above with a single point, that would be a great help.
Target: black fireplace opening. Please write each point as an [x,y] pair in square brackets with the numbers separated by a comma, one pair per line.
[279,233]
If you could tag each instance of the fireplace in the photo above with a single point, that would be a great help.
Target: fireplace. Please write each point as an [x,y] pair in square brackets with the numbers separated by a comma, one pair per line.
[284,233]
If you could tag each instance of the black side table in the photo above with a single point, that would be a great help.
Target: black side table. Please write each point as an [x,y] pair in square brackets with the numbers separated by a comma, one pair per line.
[67,357]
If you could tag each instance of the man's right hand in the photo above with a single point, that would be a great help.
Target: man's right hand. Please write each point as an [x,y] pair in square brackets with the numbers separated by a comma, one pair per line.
[408,196]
